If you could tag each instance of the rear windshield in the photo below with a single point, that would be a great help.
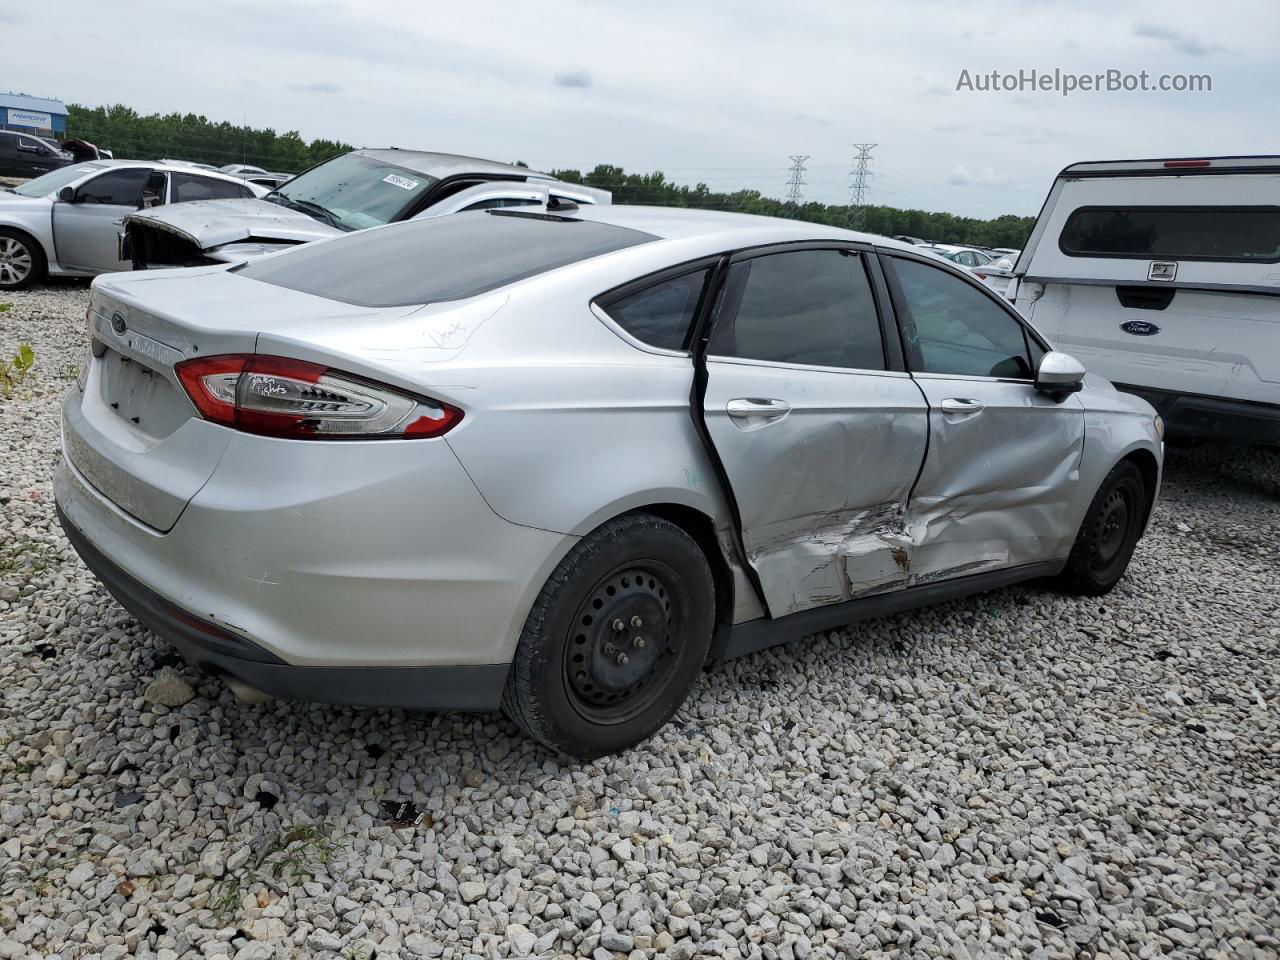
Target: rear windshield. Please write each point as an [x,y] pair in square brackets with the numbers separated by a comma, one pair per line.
[440,258]
[1248,234]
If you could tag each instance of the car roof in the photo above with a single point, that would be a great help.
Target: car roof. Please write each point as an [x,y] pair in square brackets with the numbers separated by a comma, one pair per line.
[168,166]
[442,165]
[680,223]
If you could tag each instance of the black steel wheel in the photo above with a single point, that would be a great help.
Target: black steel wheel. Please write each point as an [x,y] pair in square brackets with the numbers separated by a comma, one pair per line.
[615,640]
[1110,532]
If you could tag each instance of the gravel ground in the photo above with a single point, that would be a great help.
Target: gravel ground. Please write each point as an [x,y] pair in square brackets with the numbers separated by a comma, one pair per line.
[1021,774]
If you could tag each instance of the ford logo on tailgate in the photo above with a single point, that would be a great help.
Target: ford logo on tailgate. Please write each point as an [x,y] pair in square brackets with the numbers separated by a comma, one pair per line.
[1140,328]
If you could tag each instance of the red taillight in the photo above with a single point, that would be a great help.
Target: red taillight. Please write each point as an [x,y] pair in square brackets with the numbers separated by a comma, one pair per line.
[1187,163]
[280,397]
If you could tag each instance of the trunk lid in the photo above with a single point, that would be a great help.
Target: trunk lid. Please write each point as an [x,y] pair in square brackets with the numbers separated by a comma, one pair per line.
[133,432]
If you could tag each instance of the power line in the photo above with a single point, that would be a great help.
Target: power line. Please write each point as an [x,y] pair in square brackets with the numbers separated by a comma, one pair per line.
[795,181]
[858,178]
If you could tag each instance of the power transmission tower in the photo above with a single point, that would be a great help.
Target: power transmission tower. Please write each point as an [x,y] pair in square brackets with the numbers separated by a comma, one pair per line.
[795,180]
[858,185]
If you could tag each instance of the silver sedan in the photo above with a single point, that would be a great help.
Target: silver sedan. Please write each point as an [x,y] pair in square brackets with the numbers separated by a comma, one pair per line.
[68,222]
[558,462]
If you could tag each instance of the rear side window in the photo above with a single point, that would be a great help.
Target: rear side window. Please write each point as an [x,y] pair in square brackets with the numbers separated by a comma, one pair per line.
[440,258]
[187,186]
[662,314]
[811,307]
[1249,234]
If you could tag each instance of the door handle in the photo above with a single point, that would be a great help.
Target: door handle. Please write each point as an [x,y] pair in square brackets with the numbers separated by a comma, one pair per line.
[961,405]
[757,407]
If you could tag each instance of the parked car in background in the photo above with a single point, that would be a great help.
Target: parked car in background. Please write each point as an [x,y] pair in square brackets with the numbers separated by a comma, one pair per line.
[998,273]
[1164,276]
[240,169]
[67,222]
[24,155]
[559,461]
[267,179]
[364,188]
[967,257]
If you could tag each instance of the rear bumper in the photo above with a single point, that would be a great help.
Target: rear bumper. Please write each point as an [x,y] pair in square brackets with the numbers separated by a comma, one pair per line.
[224,654]
[1193,415]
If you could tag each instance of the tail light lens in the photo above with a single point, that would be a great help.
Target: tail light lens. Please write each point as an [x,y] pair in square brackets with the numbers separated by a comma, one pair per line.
[279,397]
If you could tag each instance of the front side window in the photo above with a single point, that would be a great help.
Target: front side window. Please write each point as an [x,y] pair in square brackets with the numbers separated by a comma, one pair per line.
[187,187]
[661,315]
[952,327]
[122,188]
[812,307]
[1248,234]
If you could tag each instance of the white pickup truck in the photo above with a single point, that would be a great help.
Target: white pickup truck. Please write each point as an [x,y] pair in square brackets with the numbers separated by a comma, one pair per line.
[1164,277]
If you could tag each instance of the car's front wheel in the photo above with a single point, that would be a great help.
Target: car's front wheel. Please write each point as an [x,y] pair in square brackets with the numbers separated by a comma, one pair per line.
[22,261]
[1110,532]
[615,639]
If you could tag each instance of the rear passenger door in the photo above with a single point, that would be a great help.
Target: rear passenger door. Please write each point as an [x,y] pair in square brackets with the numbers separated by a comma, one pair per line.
[1003,460]
[820,438]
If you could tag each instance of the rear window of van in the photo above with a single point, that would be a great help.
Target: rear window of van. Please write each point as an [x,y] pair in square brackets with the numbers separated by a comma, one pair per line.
[1239,233]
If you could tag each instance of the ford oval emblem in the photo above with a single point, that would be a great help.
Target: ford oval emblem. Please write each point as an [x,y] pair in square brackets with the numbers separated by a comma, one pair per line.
[118,325]
[1140,328]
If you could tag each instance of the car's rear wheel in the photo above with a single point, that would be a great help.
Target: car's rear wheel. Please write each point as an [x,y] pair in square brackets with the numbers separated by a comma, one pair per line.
[1110,532]
[22,262]
[615,639]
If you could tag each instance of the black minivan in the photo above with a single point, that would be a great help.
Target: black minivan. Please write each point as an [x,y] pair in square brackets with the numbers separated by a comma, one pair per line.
[22,155]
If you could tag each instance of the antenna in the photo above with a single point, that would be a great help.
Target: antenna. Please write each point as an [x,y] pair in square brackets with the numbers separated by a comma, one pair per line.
[795,179]
[858,185]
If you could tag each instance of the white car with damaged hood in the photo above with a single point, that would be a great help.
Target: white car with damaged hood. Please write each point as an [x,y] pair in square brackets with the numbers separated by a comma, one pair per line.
[557,463]
[353,191]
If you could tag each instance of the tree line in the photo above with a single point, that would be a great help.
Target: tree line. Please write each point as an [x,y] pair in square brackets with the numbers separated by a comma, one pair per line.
[189,136]
[194,137]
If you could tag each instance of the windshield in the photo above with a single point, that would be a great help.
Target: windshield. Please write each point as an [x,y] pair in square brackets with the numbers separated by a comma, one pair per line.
[55,181]
[355,191]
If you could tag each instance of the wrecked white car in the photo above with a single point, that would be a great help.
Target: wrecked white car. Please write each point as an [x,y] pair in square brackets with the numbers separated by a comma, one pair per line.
[364,188]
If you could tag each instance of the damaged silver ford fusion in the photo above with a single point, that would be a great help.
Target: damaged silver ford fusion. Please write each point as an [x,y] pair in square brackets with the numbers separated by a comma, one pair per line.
[557,462]
[364,188]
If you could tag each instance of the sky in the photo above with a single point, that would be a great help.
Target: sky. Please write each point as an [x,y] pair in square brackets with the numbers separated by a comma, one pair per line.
[712,91]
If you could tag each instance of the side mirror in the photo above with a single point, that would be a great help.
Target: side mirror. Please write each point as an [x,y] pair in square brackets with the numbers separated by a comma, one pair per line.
[67,194]
[1059,375]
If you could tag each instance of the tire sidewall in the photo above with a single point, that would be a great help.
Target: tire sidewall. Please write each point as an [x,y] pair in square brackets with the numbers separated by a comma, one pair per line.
[38,261]
[1125,476]
[576,734]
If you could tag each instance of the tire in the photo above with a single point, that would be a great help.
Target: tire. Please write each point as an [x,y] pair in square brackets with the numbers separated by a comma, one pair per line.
[22,261]
[578,683]
[1109,534]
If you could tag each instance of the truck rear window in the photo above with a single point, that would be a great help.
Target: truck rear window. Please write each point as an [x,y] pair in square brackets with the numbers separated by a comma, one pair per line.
[1241,234]
[440,258]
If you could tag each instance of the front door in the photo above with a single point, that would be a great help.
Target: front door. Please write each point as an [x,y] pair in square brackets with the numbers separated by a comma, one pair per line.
[1004,458]
[819,438]
[85,230]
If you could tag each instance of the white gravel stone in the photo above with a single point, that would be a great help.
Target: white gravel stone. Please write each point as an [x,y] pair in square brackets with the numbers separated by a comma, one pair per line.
[1017,775]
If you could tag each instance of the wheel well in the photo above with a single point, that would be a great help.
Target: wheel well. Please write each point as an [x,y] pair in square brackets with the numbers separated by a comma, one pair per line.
[1150,470]
[699,526]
